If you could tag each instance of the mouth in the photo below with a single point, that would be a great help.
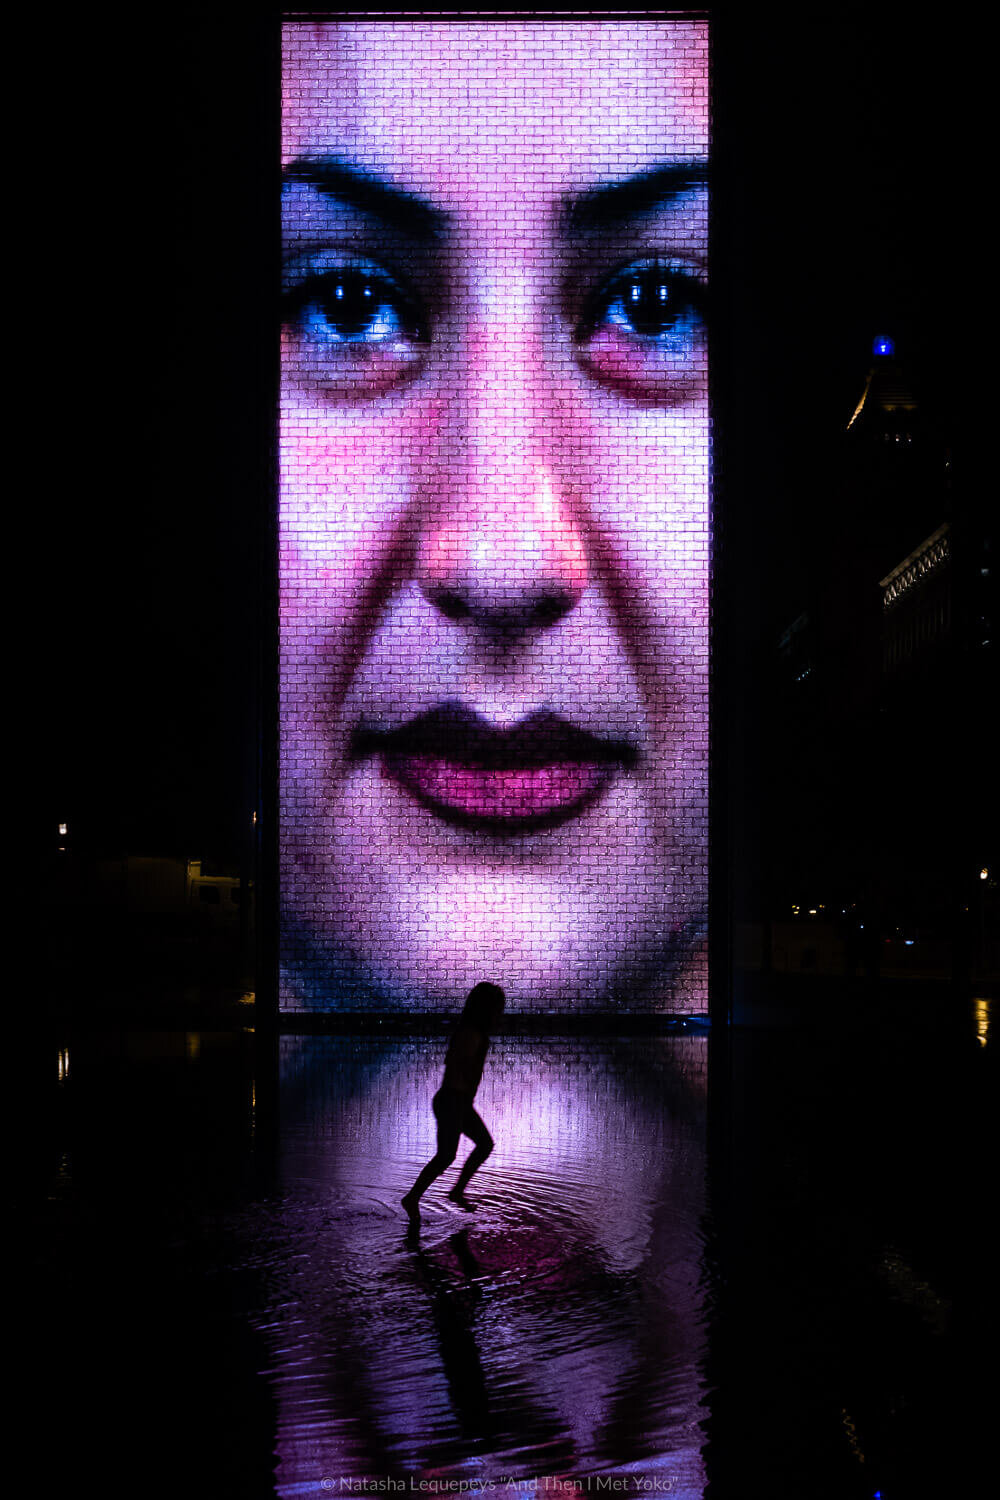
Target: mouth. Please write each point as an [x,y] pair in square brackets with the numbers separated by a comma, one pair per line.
[543,772]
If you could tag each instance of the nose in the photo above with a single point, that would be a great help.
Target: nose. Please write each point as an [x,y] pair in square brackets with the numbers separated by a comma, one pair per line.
[501,548]
[508,563]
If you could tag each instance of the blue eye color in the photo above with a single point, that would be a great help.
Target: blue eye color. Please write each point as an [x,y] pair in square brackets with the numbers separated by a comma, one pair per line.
[350,316]
[350,307]
[641,332]
[355,328]
[655,304]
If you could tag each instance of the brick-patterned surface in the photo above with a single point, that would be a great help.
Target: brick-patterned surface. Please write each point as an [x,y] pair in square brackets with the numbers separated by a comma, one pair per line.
[494,513]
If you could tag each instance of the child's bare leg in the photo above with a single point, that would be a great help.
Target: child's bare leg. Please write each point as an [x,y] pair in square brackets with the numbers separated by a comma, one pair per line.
[448,1131]
[473,1127]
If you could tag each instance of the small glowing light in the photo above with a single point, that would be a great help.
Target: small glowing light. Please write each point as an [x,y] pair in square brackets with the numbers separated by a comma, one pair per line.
[981,1011]
[984,873]
[908,942]
[62,830]
[812,911]
[883,346]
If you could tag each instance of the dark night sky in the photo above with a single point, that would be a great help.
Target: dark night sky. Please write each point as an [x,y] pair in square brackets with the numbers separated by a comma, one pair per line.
[843,149]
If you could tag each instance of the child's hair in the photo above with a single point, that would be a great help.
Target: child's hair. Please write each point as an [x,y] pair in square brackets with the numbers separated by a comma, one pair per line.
[484,1004]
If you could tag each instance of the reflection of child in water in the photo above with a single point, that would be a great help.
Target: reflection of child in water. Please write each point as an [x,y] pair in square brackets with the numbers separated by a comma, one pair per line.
[452,1104]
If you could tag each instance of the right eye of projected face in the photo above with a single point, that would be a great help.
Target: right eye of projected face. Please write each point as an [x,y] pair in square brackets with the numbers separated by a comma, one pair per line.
[353,328]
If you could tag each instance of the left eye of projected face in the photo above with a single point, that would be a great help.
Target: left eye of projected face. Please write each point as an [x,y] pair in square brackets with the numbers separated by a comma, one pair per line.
[352,328]
[642,331]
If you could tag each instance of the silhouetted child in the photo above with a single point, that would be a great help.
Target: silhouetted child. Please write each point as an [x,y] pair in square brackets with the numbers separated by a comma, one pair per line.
[452,1104]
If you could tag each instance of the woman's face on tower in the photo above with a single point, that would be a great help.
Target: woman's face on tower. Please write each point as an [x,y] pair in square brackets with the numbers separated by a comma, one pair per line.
[494,504]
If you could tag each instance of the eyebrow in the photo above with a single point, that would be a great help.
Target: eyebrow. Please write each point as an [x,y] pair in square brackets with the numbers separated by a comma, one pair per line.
[599,207]
[368,194]
[612,203]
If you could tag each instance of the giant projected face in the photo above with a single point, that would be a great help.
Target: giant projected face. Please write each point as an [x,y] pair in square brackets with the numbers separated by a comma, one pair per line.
[494,541]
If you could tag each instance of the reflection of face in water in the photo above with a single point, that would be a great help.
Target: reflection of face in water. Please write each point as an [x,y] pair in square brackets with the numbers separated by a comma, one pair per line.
[494,505]
[562,1333]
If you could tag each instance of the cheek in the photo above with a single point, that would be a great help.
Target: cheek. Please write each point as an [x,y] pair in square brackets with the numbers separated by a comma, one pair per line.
[346,484]
[654,506]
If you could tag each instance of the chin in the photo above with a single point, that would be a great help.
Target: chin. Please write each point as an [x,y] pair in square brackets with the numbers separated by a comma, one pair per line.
[570,982]
[397,938]
[554,965]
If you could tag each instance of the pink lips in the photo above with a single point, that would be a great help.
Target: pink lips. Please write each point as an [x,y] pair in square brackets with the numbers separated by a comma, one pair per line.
[533,775]
[488,794]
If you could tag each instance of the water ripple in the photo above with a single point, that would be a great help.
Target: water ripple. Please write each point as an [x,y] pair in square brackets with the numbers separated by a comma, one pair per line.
[555,1331]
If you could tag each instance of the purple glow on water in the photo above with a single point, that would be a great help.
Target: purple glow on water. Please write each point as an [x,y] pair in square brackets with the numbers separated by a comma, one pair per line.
[553,1333]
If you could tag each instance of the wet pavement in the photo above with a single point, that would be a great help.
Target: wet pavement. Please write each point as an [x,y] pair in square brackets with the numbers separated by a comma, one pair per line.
[696,1265]
[554,1331]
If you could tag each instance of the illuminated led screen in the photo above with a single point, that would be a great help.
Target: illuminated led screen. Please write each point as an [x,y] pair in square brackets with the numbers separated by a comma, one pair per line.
[494,514]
